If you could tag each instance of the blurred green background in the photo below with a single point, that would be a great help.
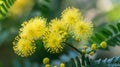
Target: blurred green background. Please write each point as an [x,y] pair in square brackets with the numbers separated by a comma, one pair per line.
[100,12]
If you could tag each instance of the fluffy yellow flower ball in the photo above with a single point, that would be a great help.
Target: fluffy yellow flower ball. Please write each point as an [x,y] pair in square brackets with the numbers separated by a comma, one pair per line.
[82,29]
[33,29]
[57,25]
[71,15]
[24,47]
[30,31]
[53,42]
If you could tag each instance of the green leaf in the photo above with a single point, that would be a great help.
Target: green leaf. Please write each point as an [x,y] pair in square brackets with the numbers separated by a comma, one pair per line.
[113,28]
[73,63]
[4,7]
[78,61]
[106,32]
[118,25]
[83,61]
[111,62]
[110,34]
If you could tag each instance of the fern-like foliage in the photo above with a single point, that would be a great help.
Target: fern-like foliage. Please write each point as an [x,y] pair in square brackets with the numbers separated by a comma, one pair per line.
[111,62]
[4,7]
[79,62]
[110,34]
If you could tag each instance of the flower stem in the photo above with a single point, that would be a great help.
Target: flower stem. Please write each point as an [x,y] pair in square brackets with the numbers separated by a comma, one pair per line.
[73,47]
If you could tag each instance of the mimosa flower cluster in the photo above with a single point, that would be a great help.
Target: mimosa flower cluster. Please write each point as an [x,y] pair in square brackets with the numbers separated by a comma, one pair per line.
[54,34]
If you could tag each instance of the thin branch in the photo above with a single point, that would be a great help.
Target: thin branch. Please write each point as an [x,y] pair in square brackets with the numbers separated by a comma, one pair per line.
[73,47]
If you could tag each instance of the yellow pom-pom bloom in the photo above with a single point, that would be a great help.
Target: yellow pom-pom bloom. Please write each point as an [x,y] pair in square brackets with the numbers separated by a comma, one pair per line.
[57,25]
[46,60]
[53,42]
[62,65]
[103,44]
[71,16]
[33,29]
[82,30]
[24,47]
[93,47]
